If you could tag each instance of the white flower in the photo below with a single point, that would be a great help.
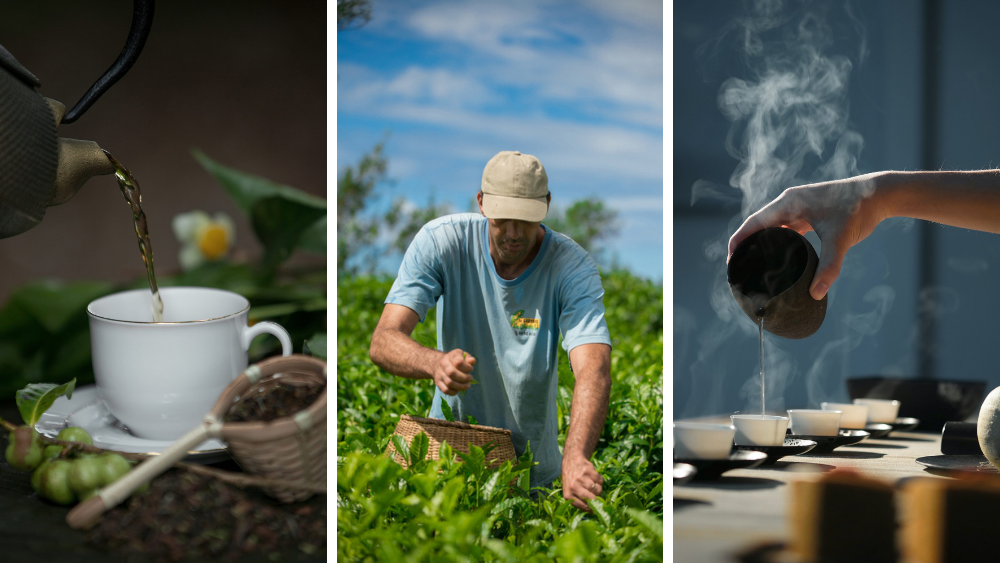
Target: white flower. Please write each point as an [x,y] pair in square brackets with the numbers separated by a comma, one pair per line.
[203,238]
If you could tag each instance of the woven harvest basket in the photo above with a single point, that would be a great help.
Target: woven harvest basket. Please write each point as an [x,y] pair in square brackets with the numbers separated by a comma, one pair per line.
[459,436]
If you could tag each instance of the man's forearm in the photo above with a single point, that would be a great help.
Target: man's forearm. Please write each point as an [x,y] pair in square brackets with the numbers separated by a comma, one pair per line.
[589,409]
[400,355]
[965,199]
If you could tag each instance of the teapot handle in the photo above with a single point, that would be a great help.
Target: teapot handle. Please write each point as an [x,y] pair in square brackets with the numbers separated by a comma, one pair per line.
[142,21]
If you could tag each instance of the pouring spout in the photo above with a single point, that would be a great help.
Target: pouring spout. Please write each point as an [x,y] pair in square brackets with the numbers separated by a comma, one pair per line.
[79,161]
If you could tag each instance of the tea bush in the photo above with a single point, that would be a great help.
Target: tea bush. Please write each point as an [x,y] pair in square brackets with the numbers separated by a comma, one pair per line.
[454,508]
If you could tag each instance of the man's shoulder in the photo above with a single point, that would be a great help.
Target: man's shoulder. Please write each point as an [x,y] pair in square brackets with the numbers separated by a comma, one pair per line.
[459,223]
[567,253]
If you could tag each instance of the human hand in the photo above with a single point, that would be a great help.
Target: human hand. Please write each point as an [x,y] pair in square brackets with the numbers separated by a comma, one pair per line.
[581,482]
[451,372]
[842,212]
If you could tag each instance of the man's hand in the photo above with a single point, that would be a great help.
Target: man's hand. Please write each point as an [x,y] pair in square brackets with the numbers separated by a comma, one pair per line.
[581,482]
[451,373]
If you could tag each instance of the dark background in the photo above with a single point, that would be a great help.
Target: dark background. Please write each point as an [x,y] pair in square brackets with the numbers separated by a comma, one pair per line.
[244,81]
[917,108]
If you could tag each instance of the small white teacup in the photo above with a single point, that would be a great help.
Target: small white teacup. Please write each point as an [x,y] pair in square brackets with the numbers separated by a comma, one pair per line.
[853,416]
[758,430]
[814,422]
[700,440]
[882,411]
[161,378]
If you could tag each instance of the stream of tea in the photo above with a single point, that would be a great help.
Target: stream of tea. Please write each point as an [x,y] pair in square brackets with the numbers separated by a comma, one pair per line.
[130,189]
[760,334]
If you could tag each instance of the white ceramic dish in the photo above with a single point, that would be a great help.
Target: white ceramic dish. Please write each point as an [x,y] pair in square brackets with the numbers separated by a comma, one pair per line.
[883,411]
[814,422]
[87,411]
[757,430]
[700,440]
[854,417]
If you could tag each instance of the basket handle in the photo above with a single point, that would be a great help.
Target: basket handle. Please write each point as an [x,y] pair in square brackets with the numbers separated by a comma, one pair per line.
[89,511]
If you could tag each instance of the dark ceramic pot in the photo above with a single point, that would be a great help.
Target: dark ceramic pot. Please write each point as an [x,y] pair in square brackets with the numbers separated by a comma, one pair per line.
[933,401]
[769,274]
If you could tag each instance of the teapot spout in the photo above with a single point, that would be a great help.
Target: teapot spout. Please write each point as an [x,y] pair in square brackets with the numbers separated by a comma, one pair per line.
[79,161]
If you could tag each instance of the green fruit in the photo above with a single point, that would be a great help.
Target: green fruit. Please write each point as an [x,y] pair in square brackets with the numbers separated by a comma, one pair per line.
[51,452]
[54,482]
[24,452]
[74,434]
[85,475]
[36,476]
[112,467]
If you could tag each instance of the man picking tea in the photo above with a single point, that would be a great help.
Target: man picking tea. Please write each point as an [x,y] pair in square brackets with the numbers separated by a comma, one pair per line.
[506,287]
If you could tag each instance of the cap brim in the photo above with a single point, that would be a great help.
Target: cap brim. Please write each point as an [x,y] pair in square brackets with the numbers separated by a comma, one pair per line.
[520,208]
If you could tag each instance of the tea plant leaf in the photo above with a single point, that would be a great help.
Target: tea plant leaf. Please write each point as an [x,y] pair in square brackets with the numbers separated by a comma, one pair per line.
[365,442]
[597,506]
[508,504]
[474,460]
[418,448]
[36,398]
[472,419]
[446,409]
[402,448]
[647,520]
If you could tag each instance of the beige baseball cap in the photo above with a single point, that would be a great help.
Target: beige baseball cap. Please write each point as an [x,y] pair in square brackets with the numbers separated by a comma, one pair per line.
[515,186]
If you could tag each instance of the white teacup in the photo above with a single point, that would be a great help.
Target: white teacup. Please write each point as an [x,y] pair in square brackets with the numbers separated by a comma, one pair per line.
[882,411]
[853,416]
[700,440]
[160,379]
[814,422]
[757,430]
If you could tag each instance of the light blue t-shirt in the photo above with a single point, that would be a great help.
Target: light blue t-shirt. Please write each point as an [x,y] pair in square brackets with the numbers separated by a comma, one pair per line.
[511,327]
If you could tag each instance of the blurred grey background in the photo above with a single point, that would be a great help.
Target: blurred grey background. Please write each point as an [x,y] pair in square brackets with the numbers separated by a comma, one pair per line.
[924,93]
[244,81]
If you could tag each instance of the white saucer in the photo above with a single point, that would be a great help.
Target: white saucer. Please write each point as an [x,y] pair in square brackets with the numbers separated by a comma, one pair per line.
[86,410]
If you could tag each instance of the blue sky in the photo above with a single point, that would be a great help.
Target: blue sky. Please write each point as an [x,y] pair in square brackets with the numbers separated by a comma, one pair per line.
[578,84]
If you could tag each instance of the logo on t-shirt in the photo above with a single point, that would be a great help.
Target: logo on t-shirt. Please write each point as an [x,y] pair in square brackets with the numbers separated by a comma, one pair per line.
[520,321]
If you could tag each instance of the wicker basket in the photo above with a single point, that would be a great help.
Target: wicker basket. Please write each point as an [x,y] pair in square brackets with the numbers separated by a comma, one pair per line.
[291,448]
[459,436]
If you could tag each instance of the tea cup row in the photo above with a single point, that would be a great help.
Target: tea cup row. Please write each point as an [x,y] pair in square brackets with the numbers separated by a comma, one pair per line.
[696,440]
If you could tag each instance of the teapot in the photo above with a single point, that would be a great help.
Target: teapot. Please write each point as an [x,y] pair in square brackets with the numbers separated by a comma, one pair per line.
[769,275]
[37,168]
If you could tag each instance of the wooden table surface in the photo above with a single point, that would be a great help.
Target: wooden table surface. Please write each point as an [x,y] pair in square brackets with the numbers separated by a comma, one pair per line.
[713,520]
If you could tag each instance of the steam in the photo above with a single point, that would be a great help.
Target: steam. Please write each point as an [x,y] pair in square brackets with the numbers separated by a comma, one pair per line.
[790,126]
[835,357]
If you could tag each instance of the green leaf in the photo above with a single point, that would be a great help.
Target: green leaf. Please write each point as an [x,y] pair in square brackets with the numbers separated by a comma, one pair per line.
[316,346]
[647,520]
[36,398]
[246,189]
[472,419]
[364,442]
[446,409]
[314,239]
[53,304]
[418,448]
[402,449]
[597,505]
[279,223]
